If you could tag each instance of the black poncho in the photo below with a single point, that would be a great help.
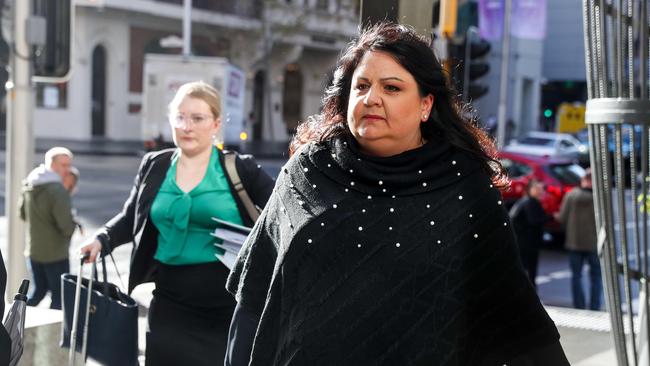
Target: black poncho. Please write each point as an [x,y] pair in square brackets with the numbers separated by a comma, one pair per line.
[407,260]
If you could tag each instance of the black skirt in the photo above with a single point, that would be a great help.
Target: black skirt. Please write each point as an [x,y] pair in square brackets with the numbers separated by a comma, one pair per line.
[189,315]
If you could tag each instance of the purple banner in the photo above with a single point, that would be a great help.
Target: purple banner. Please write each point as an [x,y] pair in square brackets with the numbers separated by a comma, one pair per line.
[490,19]
[528,19]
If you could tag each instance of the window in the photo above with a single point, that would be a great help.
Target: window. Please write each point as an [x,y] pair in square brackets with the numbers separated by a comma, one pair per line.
[515,169]
[539,141]
[322,5]
[565,144]
[52,96]
[567,173]
[292,97]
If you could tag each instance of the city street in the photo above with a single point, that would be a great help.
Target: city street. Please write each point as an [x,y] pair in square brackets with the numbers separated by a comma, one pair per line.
[106,181]
[109,79]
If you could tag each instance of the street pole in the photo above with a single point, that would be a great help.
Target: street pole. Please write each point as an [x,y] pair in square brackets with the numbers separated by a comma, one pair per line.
[503,84]
[187,28]
[469,36]
[20,145]
[268,118]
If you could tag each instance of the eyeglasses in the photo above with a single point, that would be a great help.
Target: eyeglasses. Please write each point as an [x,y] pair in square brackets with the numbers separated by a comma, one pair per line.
[180,120]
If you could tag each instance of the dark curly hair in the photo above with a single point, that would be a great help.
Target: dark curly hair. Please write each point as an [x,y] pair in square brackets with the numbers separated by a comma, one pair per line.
[413,53]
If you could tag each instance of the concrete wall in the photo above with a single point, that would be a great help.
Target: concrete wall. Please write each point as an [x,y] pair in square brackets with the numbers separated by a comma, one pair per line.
[524,83]
[564,51]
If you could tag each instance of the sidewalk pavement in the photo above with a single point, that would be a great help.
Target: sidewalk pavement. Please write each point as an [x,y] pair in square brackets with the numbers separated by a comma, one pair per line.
[585,335]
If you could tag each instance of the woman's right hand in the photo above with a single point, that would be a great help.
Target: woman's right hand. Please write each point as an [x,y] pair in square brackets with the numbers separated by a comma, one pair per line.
[91,248]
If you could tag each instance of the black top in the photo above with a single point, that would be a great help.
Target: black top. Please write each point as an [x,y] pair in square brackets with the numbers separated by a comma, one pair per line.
[132,224]
[528,219]
[406,260]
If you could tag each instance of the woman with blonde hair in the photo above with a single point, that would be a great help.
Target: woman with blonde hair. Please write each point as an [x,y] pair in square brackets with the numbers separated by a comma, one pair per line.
[168,217]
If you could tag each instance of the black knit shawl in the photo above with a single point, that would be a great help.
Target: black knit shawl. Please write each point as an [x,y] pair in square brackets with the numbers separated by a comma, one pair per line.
[406,260]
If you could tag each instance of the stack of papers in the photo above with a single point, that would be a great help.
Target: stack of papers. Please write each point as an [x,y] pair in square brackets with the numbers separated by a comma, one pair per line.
[233,237]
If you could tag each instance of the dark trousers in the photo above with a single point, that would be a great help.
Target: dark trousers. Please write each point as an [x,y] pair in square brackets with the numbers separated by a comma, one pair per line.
[577,260]
[47,277]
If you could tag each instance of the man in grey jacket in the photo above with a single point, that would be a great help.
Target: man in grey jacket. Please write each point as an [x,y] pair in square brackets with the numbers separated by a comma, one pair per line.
[46,208]
[578,217]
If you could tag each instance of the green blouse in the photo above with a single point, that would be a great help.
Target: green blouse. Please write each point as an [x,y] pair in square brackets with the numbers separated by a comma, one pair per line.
[184,219]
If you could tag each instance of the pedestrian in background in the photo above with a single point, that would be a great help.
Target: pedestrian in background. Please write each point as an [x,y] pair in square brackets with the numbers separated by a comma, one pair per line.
[70,180]
[46,209]
[70,184]
[385,241]
[528,218]
[168,217]
[578,217]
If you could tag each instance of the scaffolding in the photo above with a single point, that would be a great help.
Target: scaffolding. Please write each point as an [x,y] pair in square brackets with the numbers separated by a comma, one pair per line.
[618,119]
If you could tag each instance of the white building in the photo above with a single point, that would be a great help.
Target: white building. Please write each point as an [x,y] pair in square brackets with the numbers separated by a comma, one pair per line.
[104,95]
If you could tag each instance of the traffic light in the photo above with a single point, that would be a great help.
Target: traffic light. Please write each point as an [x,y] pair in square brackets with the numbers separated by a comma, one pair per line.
[478,67]
[469,66]
[548,113]
[52,60]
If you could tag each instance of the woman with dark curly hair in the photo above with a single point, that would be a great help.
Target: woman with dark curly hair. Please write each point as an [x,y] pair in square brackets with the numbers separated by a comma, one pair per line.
[385,241]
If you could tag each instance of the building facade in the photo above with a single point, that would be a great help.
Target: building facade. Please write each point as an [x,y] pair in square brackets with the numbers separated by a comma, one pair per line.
[564,68]
[287,49]
[524,86]
[542,73]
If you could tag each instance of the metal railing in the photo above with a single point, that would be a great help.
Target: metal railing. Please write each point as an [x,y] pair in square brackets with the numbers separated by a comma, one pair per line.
[618,119]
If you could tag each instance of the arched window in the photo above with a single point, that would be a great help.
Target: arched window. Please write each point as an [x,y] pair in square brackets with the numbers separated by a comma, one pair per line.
[292,97]
[98,92]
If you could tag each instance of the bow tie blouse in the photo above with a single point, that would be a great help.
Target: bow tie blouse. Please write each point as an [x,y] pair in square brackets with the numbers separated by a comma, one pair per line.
[184,219]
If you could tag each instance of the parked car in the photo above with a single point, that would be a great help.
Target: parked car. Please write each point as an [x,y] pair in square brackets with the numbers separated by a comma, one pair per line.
[548,144]
[583,156]
[559,176]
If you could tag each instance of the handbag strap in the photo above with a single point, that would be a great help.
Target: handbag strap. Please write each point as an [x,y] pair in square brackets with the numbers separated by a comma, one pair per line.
[94,272]
[105,282]
[117,271]
[104,272]
[231,170]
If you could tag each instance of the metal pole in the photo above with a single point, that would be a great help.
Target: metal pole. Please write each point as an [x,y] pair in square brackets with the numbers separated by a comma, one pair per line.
[20,103]
[268,101]
[643,95]
[503,83]
[187,27]
[469,35]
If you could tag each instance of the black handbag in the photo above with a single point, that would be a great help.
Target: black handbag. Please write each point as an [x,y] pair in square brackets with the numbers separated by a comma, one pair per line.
[112,334]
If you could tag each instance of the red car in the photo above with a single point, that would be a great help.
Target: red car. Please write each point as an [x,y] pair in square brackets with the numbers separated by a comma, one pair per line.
[558,175]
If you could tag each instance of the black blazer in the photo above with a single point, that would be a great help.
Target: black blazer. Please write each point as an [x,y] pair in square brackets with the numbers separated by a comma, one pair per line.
[133,223]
